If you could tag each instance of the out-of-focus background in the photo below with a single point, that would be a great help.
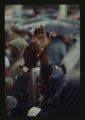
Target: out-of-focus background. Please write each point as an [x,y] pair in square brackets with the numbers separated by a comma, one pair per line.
[64,20]
[23,15]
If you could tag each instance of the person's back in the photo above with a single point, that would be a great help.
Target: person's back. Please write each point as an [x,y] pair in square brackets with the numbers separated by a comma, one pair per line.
[17,48]
[56,51]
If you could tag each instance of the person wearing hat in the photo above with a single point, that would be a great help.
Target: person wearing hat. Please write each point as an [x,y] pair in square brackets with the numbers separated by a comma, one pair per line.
[17,48]
[10,104]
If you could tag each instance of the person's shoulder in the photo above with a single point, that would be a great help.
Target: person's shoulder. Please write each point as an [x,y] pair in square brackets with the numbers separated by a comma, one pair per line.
[15,66]
[60,43]
[19,61]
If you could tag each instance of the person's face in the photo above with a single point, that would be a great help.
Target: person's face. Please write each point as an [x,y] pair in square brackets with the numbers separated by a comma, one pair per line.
[12,35]
[67,38]
[14,51]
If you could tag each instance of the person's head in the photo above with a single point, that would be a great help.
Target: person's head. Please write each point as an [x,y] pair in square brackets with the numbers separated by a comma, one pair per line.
[10,104]
[30,54]
[8,85]
[15,32]
[12,35]
[66,39]
[69,41]
[17,47]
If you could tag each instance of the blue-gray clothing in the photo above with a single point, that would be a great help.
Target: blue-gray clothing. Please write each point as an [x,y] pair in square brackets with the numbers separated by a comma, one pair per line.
[56,51]
[54,79]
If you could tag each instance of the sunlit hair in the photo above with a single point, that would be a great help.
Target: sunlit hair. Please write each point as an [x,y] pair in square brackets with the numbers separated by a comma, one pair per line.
[30,54]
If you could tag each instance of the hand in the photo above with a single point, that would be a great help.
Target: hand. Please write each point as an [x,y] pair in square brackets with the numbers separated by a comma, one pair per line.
[40,36]
[39,43]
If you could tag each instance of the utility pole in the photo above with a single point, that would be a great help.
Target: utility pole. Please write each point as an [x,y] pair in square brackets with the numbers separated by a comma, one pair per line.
[62,11]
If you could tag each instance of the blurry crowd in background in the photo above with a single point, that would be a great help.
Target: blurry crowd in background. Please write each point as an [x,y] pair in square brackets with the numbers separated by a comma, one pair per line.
[63,51]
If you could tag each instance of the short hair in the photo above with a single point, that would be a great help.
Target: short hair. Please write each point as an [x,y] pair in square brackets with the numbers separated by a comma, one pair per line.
[30,55]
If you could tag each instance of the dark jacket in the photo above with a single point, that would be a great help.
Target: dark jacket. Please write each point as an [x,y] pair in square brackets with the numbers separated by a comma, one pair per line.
[54,82]
[65,102]
[21,92]
[56,51]
[54,79]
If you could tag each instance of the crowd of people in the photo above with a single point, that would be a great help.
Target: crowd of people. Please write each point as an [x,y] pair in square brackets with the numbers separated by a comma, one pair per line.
[35,80]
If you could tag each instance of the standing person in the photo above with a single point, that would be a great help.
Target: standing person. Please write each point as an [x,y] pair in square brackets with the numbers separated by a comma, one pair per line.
[13,34]
[54,80]
[17,48]
[61,98]
[57,49]
[21,88]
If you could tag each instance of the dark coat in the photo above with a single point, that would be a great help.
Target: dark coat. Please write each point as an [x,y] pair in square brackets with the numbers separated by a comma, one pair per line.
[65,102]
[54,78]
[54,81]
[21,92]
